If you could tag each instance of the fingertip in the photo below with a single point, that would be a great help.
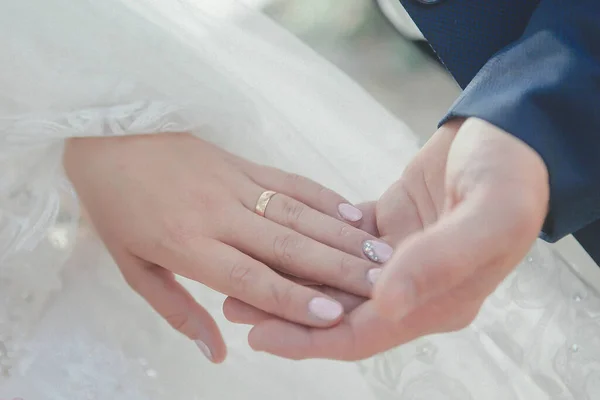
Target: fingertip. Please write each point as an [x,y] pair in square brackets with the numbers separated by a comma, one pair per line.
[350,213]
[280,338]
[220,358]
[178,307]
[327,310]
[230,309]
[254,339]
[209,340]
[238,312]
[377,251]
[259,339]
[205,349]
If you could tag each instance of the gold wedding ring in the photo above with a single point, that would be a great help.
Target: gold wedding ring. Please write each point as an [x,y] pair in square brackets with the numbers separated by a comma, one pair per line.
[263,202]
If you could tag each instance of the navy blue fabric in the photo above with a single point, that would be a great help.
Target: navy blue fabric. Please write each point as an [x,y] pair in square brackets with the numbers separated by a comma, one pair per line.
[532,68]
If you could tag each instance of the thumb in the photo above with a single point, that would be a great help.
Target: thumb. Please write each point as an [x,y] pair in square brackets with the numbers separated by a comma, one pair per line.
[486,229]
[175,304]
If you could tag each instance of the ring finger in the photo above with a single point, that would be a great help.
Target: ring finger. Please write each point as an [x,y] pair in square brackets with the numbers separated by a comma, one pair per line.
[325,229]
[292,253]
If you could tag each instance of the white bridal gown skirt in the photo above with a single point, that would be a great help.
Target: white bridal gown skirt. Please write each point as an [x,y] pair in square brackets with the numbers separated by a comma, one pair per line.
[70,329]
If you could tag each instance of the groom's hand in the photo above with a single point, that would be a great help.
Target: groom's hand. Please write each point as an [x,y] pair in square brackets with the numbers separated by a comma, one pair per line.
[463,215]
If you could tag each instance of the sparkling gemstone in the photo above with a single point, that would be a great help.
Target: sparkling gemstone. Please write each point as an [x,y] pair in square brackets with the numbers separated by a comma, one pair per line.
[575,348]
[370,252]
[59,238]
[426,353]
[152,373]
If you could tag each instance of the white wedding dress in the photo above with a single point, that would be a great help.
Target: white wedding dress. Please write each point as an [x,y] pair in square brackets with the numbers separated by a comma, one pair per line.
[70,328]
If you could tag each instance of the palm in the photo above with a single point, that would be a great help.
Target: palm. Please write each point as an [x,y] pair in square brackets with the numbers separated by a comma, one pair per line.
[417,199]
[409,206]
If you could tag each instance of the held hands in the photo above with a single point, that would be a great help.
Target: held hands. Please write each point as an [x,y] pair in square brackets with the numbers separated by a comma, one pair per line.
[172,204]
[463,215]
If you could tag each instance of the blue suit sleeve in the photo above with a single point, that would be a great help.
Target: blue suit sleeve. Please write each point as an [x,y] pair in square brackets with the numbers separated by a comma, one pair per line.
[544,88]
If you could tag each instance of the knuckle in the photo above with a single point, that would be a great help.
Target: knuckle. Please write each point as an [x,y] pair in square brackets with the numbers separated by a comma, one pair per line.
[282,297]
[240,277]
[203,200]
[293,212]
[198,198]
[325,194]
[285,247]
[344,231]
[178,232]
[178,321]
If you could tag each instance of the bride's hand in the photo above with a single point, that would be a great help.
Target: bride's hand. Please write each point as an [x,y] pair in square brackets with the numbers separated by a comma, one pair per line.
[173,204]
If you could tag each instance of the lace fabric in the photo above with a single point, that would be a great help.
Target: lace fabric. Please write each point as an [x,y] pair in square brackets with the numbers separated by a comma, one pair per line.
[535,338]
[39,212]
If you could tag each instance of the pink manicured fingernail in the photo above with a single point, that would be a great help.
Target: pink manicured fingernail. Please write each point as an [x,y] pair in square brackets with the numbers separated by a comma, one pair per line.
[374,274]
[325,309]
[376,251]
[204,349]
[349,212]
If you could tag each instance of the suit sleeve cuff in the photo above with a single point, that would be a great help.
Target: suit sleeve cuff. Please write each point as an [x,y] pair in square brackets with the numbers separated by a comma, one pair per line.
[550,107]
